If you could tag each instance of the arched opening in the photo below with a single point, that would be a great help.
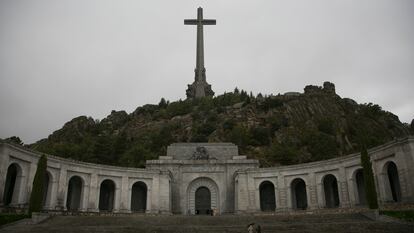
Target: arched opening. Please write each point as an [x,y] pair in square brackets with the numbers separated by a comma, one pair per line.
[73,200]
[299,196]
[46,189]
[330,187]
[203,201]
[139,197]
[267,196]
[11,185]
[394,181]
[106,195]
[212,194]
[360,184]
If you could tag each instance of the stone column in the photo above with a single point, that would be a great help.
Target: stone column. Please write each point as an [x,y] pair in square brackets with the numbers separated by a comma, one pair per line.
[343,188]
[4,165]
[125,205]
[62,189]
[311,191]
[93,194]
[117,200]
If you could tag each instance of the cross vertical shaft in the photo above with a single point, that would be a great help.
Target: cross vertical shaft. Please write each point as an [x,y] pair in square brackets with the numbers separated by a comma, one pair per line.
[200,87]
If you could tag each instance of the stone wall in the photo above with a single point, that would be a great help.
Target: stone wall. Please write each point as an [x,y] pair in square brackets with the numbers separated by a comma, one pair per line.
[60,172]
[343,169]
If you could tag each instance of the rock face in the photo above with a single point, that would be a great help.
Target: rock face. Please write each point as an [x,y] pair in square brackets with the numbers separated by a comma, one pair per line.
[281,129]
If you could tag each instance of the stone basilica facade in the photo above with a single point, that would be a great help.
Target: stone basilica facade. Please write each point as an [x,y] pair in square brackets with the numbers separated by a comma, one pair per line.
[207,178]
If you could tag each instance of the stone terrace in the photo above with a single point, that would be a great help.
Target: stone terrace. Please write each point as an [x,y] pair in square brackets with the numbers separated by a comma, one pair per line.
[338,223]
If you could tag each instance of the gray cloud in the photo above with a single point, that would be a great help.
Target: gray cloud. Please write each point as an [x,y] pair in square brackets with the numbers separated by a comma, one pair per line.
[62,59]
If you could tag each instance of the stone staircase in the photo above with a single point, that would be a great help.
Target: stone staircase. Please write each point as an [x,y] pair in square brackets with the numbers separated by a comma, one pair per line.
[336,223]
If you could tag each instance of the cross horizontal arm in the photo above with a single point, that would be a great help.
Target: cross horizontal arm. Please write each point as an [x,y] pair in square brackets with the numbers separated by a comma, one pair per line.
[204,21]
[190,21]
[209,21]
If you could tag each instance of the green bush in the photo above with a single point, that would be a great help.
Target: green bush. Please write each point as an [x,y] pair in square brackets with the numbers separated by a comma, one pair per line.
[371,193]
[407,215]
[36,197]
[8,218]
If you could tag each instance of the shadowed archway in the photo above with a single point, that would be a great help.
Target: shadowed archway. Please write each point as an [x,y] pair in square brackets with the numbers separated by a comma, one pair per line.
[394,181]
[11,187]
[139,197]
[330,188]
[299,195]
[360,185]
[73,201]
[203,201]
[107,195]
[267,196]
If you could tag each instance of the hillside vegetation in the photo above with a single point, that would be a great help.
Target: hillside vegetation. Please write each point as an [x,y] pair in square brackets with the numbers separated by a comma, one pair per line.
[282,129]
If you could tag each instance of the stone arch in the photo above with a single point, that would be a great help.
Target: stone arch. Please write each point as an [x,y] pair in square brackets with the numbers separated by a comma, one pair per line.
[360,196]
[194,186]
[393,181]
[75,193]
[330,188]
[12,184]
[299,195]
[139,197]
[107,195]
[47,189]
[267,196]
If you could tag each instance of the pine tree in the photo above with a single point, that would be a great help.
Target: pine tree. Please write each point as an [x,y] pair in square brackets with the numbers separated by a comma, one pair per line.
[371,193]
[36,196]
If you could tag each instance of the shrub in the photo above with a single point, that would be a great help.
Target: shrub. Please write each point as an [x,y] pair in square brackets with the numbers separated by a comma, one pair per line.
[371,193]
[36,197]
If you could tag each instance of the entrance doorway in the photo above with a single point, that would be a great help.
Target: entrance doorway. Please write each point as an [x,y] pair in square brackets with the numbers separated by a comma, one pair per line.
[267,196]
[73,200]
[106,195]
[139,197]
[299,196]
[330,187]
[394,181]
[203,201]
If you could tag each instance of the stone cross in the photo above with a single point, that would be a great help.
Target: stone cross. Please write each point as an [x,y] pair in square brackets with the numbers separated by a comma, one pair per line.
[200,87]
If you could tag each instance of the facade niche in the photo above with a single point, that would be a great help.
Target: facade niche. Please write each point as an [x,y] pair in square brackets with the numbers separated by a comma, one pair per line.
[330,187]
[299,196]
[394,181]
[12,184]
[73,201]
[139,197]
[202,201]
[359,178]
[107,195]
[267,196]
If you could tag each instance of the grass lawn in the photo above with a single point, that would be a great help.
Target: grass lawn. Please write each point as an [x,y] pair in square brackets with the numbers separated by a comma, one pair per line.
[407,215]
[8,218]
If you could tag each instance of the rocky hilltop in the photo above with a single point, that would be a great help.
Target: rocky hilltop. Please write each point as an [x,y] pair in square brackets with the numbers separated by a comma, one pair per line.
[277,129]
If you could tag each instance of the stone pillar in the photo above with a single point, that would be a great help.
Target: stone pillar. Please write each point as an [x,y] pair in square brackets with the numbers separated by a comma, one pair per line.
[117,199]
[343,192]
[281,200]
[251,194]
[352,190]
[311,191]
[125,205]
[404,163]
[85,195]
[93,194]
[4,164]
[62,189]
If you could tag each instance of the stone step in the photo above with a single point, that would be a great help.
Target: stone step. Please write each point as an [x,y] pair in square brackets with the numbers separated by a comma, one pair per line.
[337,223]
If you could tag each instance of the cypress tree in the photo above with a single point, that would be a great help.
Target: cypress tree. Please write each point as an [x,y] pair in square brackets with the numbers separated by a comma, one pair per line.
[370,192]
[36,197]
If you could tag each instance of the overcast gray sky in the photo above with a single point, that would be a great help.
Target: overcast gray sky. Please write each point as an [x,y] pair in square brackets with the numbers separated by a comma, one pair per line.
[62,59]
